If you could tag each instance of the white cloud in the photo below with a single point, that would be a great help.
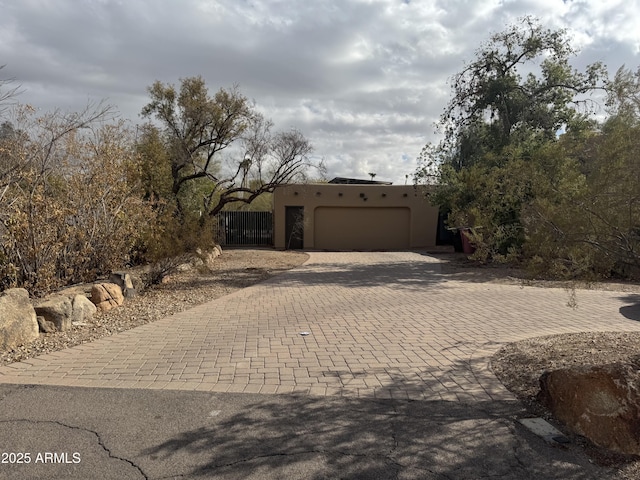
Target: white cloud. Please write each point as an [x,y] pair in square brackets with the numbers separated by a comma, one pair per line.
[364,80]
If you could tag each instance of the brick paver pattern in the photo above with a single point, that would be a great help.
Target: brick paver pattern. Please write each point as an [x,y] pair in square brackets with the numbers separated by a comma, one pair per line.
[380,324]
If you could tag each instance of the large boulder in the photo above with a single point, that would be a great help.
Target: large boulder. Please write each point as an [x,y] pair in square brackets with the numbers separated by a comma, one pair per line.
[60,312]
[57,310]
[601,403]
[106,296]
[204,258]
[80,289]
[82,308]
[18,320]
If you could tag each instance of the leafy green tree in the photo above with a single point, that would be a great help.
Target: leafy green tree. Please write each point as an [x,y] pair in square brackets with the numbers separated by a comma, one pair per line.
[175,233]
[520,84]
[155,161]
[197,127]
[515,97]
[624,93]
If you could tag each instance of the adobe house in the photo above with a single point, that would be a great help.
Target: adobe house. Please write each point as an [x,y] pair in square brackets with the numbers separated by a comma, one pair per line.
[351,214]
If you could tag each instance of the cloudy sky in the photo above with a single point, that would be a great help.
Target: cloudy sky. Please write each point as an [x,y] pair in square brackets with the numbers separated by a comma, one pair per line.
[364,80]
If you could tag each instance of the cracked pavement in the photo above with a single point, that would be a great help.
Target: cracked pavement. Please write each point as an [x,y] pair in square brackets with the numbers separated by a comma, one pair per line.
[134,434]
[391,383]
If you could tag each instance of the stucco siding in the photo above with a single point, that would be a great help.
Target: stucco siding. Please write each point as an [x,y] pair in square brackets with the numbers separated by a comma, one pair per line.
[357,217]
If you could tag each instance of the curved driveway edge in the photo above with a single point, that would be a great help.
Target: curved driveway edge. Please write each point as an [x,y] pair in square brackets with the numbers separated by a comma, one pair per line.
[380,324]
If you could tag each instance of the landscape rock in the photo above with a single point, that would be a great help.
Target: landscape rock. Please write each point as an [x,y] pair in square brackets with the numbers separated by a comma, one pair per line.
[106,296]
[199,259]
[70,292]
[46,326]
[83,309]
[18,320]
[125,282]
[600,402]
[57,310]
[187,267]
[205,258]
[137,282]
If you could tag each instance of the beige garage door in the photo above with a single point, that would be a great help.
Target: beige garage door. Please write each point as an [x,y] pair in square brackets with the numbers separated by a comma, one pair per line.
[361,228]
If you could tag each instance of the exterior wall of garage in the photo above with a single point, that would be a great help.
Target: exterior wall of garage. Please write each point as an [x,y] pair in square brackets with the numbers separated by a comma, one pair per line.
[356,217]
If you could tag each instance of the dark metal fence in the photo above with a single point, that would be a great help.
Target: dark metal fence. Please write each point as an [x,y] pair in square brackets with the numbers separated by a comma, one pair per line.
[245,228]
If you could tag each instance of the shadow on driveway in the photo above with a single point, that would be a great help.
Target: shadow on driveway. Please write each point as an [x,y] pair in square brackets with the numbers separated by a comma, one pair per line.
[162,434]
[632,312]
[403,274]
[413,274]
[296,437]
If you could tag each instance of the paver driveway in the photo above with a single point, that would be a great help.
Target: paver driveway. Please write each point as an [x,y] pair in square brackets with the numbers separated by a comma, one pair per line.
[384,324]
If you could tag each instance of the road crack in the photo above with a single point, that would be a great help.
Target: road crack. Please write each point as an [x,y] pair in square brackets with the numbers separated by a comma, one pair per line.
[82,429]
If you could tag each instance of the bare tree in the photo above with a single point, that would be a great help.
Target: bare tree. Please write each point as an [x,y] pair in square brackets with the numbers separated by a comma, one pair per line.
[9,164]
[7,93]
[199,128]
[269,160]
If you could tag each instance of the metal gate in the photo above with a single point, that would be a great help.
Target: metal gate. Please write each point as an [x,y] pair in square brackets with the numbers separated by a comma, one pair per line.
[245,228]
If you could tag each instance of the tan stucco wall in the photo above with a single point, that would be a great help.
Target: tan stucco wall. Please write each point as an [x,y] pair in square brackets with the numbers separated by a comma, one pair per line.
[323,199]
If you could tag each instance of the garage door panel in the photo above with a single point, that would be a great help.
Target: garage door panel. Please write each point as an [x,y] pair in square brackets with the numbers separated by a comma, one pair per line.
[361,228]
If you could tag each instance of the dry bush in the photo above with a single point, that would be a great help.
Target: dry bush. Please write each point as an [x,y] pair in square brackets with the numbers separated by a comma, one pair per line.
[172,241]
[72,210]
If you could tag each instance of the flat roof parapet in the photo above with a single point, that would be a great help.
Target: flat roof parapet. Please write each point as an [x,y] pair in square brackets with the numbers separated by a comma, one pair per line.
[356,181]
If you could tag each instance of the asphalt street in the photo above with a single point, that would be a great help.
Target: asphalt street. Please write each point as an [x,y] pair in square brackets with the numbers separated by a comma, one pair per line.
[155,434]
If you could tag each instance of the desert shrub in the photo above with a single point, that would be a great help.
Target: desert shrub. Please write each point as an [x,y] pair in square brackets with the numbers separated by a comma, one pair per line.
[173,241]
[73,210]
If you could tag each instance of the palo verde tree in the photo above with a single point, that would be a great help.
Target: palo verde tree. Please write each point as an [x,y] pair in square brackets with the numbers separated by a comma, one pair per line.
[221,150]
[517,94]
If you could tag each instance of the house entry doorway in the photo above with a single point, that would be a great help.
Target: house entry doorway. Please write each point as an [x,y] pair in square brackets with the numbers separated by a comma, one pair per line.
[294,228]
